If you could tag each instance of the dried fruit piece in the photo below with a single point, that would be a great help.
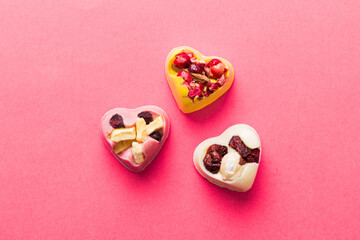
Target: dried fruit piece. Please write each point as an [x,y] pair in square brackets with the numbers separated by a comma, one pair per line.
[237,144]
[122,134]
[249,155]
[194,92]
[189,53]
[242,161]
[182,60]
[213,86]
[222,150]
[208,72]
[185,75]
[196,68]
[217,67]
[221,80]
[156,135]
[137,152]
[116,121]
[187,84]
[255,152]
[121,146]
[155,125]
[140,125]
[213,62]
[147,116]
[213,157]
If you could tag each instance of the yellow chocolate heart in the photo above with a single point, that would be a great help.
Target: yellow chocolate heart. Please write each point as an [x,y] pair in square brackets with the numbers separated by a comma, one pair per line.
[180,91]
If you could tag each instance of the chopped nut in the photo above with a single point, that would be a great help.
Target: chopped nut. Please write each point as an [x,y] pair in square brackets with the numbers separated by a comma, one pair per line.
[176,68]
[200,77]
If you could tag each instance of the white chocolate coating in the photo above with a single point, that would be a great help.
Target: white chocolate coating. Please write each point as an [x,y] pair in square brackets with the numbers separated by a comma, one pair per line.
[244,179]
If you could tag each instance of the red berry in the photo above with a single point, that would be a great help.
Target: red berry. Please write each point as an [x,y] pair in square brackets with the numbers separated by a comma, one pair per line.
[189,53]
[221,80]
[185,75]
[193,84]
[213,62]
[182,60]
[208,72]
[214,86]
[207,93]
[186,84]
[218,69]
[196,68]
[194,92]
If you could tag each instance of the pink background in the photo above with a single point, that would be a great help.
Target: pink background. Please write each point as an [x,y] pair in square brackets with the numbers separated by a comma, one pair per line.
[64,63]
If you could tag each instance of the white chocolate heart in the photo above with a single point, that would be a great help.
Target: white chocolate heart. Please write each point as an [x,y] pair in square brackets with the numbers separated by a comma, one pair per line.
[231,175]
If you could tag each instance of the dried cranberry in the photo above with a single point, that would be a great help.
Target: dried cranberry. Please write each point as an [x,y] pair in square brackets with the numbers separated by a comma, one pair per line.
[255,152]
[189,53]
[186,84]
[249,155]
[222,150]
[185,75]
[212,162]
[156,135]
[213,86]
[239,146]
[194,92]
[116,121]
[182,60]
[207,93]
[208,72]
[213,157]
[193,84]
[196,68]
[221,80]
[147,116]
[242,161]
[251,159]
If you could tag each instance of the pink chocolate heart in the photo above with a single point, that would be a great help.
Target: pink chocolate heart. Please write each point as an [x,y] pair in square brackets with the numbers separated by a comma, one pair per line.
[150,147]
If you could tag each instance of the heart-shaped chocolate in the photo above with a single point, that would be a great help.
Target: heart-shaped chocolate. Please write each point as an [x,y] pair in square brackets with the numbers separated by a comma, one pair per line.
[230,160]
[135,136]
[196,80]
